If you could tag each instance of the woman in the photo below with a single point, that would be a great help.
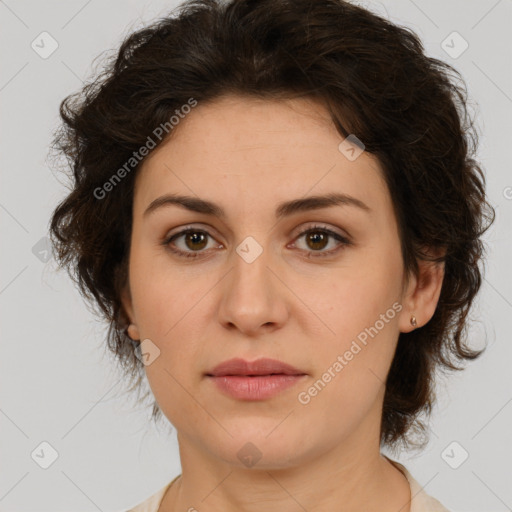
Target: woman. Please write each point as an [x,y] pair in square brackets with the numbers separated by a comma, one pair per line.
[276,207]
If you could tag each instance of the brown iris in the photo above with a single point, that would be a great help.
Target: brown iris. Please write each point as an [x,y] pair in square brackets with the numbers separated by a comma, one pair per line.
[196,237]
[317,237]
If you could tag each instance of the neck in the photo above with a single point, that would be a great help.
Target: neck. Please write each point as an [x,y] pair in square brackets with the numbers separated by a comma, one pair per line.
[350,477]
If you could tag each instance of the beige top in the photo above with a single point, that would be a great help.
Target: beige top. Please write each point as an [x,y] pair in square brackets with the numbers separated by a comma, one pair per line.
[421,501]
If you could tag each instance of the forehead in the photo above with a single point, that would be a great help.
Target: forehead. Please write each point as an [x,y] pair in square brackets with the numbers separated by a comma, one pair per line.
[245,123]
[245,149]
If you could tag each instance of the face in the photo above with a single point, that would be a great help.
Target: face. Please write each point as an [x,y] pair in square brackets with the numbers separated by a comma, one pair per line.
[319,288]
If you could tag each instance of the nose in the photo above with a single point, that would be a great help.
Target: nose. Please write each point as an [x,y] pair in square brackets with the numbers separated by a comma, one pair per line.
[253,298]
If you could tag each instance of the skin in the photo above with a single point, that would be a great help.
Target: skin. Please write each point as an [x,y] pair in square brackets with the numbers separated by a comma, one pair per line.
[248,155]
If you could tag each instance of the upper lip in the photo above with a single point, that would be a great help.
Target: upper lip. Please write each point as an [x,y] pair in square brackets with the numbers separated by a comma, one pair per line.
[263,366]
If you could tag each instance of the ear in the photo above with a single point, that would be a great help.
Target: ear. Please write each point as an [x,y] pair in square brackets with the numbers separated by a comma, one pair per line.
[422,293]
[126,301]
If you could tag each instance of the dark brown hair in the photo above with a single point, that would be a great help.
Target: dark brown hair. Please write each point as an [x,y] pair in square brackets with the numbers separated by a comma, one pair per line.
[409,110]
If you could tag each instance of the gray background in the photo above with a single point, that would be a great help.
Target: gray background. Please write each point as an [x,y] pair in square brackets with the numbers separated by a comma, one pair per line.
[58,384]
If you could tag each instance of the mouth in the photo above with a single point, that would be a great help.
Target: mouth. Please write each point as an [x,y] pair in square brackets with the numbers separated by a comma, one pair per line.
[258,380]
[258,368]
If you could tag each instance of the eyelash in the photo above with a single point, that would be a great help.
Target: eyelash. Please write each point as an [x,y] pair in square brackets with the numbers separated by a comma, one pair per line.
[315,254]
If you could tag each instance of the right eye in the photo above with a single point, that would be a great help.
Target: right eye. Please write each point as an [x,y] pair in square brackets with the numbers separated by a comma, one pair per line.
[193,238]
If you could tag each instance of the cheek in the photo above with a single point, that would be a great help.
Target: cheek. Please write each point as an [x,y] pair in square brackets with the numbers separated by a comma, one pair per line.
[359,314]
[170,313]
[349,382]
[163,295]
[349,301]
[170,385]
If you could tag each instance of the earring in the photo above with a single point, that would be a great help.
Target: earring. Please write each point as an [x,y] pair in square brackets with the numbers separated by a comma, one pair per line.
[413,321]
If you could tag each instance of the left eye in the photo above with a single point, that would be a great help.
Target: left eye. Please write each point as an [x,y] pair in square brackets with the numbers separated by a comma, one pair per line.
[197,239]
[318,238]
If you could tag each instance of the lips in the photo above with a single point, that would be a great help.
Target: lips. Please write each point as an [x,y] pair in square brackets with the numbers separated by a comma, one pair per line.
[258,380]
[263,366]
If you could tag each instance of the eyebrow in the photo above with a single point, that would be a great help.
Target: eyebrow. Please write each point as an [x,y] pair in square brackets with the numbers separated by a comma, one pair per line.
[284,209]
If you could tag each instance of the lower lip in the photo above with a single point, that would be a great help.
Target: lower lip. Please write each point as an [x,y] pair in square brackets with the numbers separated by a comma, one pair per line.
[258,387]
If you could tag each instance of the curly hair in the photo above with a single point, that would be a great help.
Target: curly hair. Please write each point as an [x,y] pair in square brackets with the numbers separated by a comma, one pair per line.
[375,81]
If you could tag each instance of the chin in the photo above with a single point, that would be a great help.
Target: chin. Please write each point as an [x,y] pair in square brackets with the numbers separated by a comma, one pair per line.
[253,447]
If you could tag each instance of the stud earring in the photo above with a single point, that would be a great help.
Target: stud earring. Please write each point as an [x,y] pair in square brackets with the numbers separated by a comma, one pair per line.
[413,321]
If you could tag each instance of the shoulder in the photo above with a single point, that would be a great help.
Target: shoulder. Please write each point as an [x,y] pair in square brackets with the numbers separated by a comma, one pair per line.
[152,503]
[420,500]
